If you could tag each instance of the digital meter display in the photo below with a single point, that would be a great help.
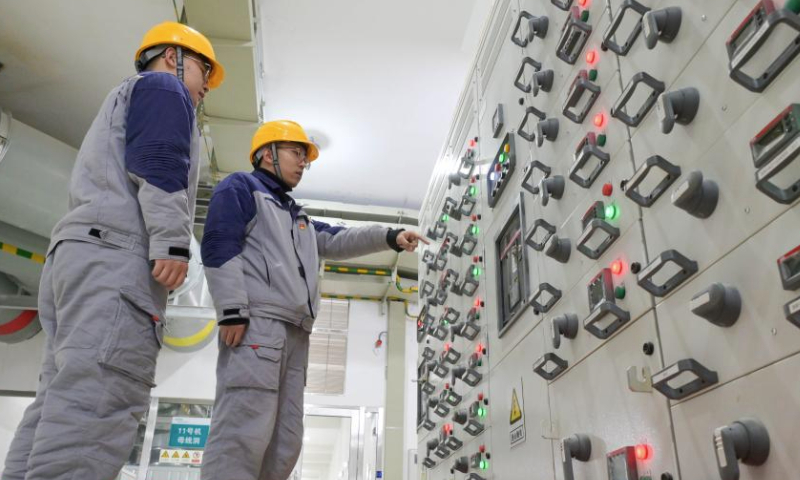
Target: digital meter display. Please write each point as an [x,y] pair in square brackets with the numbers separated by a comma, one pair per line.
[600,289]
[775,136]
[750,25]
[789,266]
[746,29]
[622,464]
[597,210]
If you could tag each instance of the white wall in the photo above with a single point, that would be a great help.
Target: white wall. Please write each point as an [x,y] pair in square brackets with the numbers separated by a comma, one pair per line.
[365,377]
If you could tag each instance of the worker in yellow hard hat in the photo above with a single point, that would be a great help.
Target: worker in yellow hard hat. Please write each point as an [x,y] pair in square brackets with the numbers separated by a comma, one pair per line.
[261,253]
[123,244]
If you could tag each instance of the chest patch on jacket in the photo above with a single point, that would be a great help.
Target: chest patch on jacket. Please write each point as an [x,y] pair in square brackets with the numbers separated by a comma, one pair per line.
[302,225]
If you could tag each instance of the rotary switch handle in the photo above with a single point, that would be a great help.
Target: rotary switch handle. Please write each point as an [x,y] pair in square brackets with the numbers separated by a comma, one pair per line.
[577,446]
[678,106]
[551,187]
[461,464]
[563,325]
[746,440]
[662,24]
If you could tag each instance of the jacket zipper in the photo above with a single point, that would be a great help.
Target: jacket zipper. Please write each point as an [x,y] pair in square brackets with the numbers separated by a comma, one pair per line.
[303,273]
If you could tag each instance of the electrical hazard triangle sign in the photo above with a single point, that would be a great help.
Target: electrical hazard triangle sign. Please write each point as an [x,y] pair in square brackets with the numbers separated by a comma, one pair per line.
[516,412]
[176,454]
[516,418]
[186,455]
[164,454]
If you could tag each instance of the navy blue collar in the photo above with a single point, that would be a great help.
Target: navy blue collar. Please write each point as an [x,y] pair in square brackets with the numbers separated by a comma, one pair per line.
[278,188]
[271,181]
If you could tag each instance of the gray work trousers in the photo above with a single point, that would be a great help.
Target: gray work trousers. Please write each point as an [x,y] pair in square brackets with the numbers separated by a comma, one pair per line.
[102,313]
[257,423]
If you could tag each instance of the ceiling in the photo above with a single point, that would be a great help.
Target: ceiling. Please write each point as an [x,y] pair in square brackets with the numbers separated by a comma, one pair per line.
[376,83]
[62,58]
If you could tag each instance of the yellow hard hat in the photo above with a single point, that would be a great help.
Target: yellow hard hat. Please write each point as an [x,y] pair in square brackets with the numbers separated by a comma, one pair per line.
[282,131]
[174,33]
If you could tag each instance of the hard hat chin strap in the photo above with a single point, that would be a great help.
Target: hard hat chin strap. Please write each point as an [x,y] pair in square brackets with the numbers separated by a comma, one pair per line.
[180,62]
[275,163]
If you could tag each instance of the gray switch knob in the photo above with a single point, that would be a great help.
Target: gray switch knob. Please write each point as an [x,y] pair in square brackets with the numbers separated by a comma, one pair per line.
[460,417]
[546,129]
[696,195]
[679,106]
[746,440]
[542,80]
[551,187]
[559,249]
[566,325]
[454,179]
[537,27]
[431,445]
[579,447]
[719,304]
[461,464]
[662,24]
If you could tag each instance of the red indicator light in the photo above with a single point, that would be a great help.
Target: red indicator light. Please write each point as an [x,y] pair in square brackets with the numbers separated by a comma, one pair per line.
[642,452]
[446,347]
[477,303]
[599,120]
[447,386]
[480,397]
[583,3]
[482,449]
[472,143]
[591,57]
[617,266]
[608,189]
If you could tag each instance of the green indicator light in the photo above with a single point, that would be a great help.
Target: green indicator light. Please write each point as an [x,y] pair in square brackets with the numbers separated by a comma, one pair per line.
[481,412]
[476,271]
[585,16]
[601,140]
[445,322]
[502,158]
[445,217]
[477,316]
[472,191]
[612,212]
[793,5]
[619,292]
[475,230]
[593,75]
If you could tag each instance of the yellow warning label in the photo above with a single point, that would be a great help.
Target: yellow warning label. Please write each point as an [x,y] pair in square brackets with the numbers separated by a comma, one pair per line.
[164,454]
[176,454]
[516,412]
[186,454]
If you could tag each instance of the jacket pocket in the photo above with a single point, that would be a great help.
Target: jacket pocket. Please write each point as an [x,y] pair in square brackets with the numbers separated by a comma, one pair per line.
[132,345]
[255,365]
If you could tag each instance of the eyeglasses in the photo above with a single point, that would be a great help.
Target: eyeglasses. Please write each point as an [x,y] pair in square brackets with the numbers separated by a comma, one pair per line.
[300,154]
[204,66]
